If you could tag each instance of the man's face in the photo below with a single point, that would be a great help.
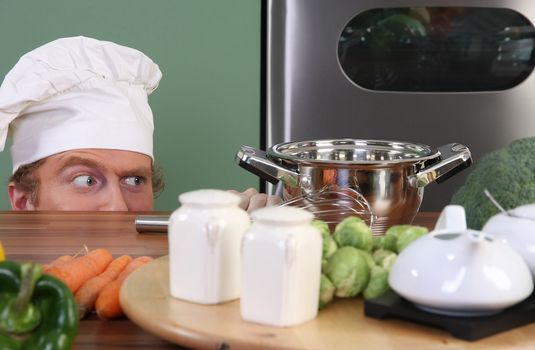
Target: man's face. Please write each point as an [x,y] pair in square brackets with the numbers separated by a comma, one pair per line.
[95,179]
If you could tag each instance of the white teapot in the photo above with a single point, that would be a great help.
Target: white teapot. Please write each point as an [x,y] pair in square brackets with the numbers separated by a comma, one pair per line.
[461,272]
[517,229]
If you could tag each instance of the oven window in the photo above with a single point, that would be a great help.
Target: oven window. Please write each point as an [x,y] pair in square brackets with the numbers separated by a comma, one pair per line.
[437,49]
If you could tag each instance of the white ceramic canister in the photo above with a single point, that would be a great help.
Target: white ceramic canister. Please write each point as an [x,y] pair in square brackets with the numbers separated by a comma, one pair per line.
[204,246]
[516,229]
[281,267]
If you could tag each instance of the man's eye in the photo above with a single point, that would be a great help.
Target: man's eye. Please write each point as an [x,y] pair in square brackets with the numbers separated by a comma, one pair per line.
[134,180]
[84,181]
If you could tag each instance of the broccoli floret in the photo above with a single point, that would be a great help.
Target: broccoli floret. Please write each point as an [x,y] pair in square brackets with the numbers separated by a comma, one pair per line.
[508,173]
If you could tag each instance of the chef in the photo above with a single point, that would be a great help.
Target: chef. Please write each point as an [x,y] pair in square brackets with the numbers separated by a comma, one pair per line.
[77,112]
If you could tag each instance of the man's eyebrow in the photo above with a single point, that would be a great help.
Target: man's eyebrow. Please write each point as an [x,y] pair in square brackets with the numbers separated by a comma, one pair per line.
[74,161]
[138,171]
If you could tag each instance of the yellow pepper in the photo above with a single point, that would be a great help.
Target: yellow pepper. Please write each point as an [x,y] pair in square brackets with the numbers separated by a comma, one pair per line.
[2,255]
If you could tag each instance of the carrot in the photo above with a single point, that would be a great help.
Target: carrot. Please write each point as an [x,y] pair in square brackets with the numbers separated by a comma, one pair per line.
[107,304]
[62,259]
[65,258]
[88,292]
[75,272]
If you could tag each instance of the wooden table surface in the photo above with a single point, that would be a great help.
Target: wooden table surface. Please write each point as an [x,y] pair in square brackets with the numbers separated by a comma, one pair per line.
[43,236]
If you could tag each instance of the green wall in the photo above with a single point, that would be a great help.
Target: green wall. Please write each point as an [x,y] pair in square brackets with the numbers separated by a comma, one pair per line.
[207,104]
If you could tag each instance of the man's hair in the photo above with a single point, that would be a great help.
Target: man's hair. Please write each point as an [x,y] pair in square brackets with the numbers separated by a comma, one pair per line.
[25,180]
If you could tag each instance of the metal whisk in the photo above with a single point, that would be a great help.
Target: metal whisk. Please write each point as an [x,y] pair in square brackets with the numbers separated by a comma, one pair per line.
[333,205]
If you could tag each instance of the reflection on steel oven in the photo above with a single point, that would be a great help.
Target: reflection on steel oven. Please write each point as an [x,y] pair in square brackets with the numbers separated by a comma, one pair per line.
[431,74]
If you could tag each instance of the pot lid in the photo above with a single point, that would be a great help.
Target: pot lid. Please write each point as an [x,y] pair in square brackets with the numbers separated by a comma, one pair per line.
[353,151]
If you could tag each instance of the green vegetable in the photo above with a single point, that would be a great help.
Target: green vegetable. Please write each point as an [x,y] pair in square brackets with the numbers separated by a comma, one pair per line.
[18,315]
[353,231]
[380,255]
[377,242]
[401,24]
[392,234]
[398,237]
[408,236]
[324,264]
[368,257]
[508,173]
[388,261]
[329,245]
[326,291]
[36,311]
[378,284]
[348,270]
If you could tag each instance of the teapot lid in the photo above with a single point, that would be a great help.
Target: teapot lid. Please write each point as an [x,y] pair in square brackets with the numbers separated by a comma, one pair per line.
[285,215]
[524,211]
[209,197]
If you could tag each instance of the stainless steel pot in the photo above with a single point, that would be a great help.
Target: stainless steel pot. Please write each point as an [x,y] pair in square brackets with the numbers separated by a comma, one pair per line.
[390,175]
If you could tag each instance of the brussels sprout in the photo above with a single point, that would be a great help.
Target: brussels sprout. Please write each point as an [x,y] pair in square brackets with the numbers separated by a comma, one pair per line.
[326,291]
[329,245]
[377,242]
[378,284]
[324,264]
[380,254]
[391,236]
[388,261]
[398,237]
[408,236]
[389,241]
[353,231]
[368,257]
[322,226]
[348,270]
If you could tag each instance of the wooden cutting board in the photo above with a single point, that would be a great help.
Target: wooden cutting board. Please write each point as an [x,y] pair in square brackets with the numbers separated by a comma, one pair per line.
[146,301]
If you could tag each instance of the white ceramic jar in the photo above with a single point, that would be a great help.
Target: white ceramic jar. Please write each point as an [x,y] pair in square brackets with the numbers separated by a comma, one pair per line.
[204,246]
[516,229]
[281,267]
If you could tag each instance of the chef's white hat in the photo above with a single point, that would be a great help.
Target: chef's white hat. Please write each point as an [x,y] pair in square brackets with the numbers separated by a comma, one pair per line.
[75,93]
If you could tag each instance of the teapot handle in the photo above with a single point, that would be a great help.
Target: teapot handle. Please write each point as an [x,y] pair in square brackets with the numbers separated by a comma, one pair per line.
[452,217]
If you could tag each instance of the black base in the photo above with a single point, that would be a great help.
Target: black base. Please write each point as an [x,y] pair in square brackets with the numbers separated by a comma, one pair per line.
[392,305]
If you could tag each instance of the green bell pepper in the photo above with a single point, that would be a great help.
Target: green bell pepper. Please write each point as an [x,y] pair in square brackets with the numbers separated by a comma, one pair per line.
[36,311]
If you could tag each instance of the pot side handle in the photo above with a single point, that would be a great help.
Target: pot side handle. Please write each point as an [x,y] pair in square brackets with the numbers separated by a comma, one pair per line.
[257,162]
[454,157]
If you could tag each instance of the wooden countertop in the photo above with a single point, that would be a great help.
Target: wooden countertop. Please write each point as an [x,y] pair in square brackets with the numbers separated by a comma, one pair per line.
[43,236]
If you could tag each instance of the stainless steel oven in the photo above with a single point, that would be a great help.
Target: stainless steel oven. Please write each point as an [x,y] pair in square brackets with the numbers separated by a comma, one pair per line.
[430,72]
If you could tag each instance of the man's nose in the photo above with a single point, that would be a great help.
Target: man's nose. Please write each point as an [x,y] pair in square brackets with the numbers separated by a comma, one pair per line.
[116,200]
